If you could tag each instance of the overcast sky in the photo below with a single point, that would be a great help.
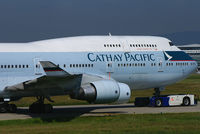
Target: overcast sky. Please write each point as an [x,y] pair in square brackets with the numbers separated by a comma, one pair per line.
[29,20]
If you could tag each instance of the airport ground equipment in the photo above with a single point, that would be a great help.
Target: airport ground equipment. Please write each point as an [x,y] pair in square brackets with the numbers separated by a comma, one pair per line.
[166,100]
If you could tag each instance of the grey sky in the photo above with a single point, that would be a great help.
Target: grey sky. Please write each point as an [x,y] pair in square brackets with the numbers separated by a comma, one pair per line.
[28,20]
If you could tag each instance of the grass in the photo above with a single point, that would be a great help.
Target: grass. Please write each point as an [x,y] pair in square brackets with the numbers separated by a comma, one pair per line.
[182,123]
[190,85]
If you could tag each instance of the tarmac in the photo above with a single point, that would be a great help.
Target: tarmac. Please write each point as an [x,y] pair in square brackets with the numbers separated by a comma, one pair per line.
[96,110]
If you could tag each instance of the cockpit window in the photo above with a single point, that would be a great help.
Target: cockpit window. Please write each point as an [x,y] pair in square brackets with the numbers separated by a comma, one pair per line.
[171,44]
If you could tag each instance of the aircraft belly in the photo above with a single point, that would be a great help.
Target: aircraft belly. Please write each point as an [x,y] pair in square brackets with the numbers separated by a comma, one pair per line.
[145,81]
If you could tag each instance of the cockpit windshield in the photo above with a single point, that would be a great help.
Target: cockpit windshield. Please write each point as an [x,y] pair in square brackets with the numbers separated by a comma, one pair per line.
[171,44]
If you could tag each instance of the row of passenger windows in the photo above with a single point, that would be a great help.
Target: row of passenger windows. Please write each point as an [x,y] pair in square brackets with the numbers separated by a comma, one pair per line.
[131,64]
[131,45]
[112,45]
[137,64]
[180,64]
[80,65]
[91,65]
[154,64]
[14,66]
[143,45]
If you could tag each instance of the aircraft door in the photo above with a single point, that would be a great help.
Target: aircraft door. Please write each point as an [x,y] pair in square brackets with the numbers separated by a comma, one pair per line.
[160,64]
[125,45]
[37,67]
[109,67]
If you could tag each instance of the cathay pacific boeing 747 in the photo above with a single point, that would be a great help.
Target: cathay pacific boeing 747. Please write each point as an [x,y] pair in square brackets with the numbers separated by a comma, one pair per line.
[98,69]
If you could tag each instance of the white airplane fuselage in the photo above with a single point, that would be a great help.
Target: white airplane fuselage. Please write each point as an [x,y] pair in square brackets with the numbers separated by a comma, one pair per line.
[141,62]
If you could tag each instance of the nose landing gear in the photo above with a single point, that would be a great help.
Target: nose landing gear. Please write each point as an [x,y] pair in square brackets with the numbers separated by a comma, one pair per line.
[157,92]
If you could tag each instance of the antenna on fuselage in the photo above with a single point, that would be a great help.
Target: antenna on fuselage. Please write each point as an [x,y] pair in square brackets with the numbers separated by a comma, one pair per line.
[109,34]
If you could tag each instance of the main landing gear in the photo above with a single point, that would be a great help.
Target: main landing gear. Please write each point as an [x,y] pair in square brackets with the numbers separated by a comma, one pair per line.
[40,107]
[7,108]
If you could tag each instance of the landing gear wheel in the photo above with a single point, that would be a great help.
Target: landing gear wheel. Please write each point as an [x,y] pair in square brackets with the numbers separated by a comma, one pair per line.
[3,109]
[47,108]
[40,107]
[158,103]
[186,101]
[12,108]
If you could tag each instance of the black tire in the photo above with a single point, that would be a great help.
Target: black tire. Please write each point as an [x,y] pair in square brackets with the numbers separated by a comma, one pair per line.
[3,109]
[12,108]
[34,108]
[158,102]
[47,108]
[40,108]
[186,101]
